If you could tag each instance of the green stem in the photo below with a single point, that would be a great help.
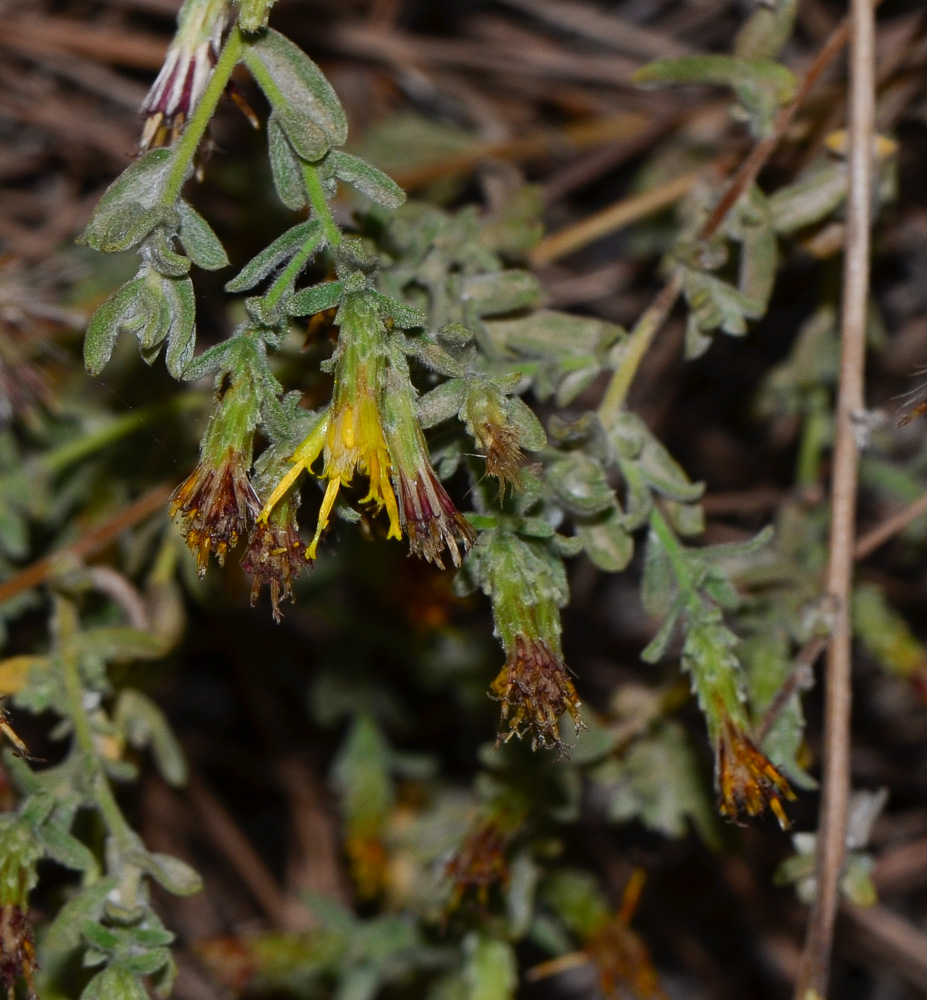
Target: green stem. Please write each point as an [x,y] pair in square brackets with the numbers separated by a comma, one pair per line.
[67,628]
[67,454]
[815,436]
[636,347]
[186,148]
[674,551]
[291,272]
[319,203]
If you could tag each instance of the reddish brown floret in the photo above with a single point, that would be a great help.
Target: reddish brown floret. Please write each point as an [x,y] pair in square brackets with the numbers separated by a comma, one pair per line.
[535,691]
[17,950]
[430,520]
[480,862]
[215,507]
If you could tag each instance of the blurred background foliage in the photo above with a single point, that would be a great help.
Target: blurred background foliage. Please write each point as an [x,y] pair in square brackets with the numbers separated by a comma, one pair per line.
[225,805]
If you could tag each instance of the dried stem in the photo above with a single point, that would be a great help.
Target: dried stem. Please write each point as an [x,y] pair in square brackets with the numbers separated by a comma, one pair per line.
[881,533]
[814,971]
[92,541]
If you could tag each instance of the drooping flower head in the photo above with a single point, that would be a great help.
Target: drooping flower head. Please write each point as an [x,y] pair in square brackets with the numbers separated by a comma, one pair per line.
[486,415]
[527,588]
[216,504]
[276,555]
[482,859]
[427,514]
[748,782]
[186,71]
[349,434]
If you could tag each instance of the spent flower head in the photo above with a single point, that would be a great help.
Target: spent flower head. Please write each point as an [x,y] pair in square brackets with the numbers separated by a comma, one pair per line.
[216,504]
[748,782]
[487,419]
[17,950]
[527,587]
[427,514]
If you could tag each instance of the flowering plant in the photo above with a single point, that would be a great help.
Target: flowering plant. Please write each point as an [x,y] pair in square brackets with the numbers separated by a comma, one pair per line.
[435,405]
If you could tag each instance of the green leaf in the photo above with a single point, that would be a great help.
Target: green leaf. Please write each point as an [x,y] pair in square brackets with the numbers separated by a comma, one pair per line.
[181,334]
[143,724]
[200,242]
[129,209]
[120,642]
[285,167]
[87,905]
[530,430]
[114,983]
[169,872]
[442,403]
[810,199]
[280,252]
[123,311]
[606,541]
[660,783]
[714,303]
[405,317]
[491,971]
[364,177]
[501,292]
[292,81]
[580,483]
[761,85]
[318,298]
[66,849]
[309,140]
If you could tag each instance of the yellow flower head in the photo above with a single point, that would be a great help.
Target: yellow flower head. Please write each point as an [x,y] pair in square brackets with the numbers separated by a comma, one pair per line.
[350,439]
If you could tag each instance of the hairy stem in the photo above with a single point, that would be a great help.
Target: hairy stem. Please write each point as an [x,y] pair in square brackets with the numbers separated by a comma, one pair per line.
[199,121]
[831,843]
[319,203]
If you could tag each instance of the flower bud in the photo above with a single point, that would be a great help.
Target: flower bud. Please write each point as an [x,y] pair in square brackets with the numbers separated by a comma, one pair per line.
[186,71]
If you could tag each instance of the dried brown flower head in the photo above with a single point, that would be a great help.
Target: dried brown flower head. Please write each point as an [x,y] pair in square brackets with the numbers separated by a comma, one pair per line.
[535,691]
[499,443]
[748,781]
[215,505]
[480,862]
[275,555]
[17,950]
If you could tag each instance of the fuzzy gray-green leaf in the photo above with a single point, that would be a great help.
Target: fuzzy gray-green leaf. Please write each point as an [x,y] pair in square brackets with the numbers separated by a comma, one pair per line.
[181,337]
[316,299]
[285,167]
[291,80]
[114,224]
[501,292]
[276,255]
[380,188]
[607,542]
[122,309]
[200,242]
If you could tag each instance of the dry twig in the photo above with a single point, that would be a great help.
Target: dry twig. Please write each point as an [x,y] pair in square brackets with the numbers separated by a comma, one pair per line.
[831,844]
